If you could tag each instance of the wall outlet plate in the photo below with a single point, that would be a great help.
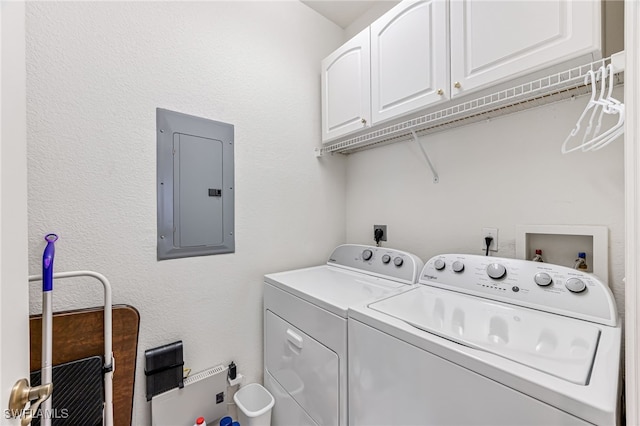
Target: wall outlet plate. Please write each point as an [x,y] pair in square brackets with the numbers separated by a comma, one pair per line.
[493,233]
[384,232]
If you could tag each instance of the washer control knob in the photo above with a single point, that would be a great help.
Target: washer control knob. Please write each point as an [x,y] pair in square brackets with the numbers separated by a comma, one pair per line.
[398,261]
[496,271]
[575,285]
[542,279]
[439,264]
[386,258]
[366,255]
[457,266]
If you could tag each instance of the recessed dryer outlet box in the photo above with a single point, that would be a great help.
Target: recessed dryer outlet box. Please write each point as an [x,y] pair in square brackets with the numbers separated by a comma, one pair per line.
[493,233]
[560,245]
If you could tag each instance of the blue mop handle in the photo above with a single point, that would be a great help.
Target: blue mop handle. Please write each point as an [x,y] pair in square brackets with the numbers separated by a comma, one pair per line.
[47,262]
[46,372]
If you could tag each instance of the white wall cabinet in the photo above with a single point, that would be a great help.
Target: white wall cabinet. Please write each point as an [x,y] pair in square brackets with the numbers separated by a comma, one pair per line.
[346,88]
[493,41]
[409,59]
[403,62]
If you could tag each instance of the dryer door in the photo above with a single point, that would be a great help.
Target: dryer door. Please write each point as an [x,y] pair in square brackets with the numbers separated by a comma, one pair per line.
[305,368]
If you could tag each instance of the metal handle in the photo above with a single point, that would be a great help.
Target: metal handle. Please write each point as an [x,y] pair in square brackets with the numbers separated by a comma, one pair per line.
[363,121]
[22,393]
[440,92]
[457,85]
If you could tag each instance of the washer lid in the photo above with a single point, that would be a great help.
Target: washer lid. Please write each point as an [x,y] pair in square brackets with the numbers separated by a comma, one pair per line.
[332,288]
[563,347]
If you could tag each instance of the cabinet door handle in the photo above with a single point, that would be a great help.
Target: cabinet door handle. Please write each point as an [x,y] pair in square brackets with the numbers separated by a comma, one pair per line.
[440,92]
[363,121]
[457,85]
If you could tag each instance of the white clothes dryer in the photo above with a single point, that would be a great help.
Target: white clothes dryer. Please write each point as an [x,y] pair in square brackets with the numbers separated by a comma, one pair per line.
[487,341]
[305,328]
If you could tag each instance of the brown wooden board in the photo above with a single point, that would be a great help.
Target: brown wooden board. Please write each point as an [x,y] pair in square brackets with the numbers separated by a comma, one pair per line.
[80,334]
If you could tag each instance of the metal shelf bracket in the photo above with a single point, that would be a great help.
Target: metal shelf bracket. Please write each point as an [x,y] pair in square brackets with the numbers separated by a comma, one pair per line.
[436,178]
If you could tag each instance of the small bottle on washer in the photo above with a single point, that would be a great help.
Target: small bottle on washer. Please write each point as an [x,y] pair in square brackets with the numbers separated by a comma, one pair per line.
[538,256]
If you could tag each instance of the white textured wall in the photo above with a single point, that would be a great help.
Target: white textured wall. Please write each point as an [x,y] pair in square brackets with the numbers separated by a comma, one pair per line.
[502,173]
[96,73]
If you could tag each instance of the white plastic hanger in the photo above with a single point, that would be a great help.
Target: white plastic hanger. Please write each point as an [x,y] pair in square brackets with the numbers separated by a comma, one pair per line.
[589,78]
[613,106]
[606,105]
[600,104]
[612,134]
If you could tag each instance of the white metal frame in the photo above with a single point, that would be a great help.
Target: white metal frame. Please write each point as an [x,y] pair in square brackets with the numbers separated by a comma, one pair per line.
[552,88]
[632,210]
[109,361]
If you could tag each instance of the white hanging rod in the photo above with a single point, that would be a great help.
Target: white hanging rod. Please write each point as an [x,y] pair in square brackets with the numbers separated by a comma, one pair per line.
[555,87]
[109,361]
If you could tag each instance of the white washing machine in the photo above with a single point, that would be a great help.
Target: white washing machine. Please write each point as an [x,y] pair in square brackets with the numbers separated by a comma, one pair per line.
[305,328]
[487,341]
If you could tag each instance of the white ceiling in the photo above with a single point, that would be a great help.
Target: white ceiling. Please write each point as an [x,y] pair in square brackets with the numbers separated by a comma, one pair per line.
[341,12]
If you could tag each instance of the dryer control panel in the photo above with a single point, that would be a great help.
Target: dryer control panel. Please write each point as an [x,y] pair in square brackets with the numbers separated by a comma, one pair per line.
[378,261]
[544,286]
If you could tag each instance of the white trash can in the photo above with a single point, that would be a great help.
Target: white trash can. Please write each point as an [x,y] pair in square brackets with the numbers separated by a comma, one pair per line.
[255,404]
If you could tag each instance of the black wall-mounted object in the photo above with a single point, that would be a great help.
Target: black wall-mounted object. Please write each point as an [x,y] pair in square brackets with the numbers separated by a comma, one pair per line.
[164,368]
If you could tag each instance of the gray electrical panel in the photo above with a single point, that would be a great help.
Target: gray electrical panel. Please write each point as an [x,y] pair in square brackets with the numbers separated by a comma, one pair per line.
[195,186]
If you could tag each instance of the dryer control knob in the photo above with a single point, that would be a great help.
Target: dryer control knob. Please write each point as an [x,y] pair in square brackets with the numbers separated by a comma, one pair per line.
[496,271]
[457,266]
[542,279]
[398,261]
[386,258]
[366,255]
[439,264]
[575,285]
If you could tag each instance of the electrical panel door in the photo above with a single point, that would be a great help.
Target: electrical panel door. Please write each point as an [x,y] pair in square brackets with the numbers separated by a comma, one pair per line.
[195,186]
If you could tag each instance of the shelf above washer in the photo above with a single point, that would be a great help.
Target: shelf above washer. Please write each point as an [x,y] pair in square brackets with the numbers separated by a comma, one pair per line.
[559,86]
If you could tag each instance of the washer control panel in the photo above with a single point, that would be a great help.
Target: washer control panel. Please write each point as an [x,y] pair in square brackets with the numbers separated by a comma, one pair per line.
[544,286]
[378,261]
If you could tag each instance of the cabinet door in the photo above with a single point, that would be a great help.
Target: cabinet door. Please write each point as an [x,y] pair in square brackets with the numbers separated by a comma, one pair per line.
[346,91]
[409,61]
[492,41]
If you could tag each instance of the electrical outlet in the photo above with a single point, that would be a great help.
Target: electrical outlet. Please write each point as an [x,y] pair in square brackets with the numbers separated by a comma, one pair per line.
[493,233]
[384,232]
